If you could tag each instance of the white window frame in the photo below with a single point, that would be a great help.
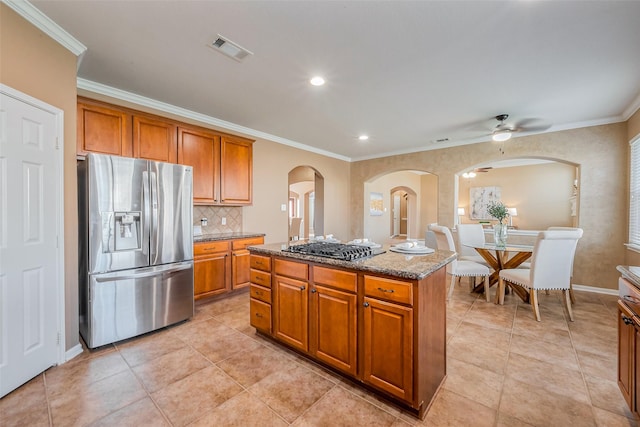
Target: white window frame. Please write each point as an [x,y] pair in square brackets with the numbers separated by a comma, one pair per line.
[634,195]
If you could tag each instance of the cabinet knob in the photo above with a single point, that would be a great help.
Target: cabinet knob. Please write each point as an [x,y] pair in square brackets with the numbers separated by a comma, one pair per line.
[627,320]
[366,304]
[313,291]
[302,288]
[258,315]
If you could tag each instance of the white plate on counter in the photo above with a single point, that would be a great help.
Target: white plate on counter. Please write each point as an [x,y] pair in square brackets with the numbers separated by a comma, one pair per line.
[371,245]
[416,250]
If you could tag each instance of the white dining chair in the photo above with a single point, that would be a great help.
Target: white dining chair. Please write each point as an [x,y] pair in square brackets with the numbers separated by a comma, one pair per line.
[571,295]
[470,234]
[459,268]
[294,228]
[551,265]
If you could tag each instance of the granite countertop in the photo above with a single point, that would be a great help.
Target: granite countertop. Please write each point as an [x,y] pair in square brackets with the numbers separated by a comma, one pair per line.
[631,273]
[414,267]
[225,236]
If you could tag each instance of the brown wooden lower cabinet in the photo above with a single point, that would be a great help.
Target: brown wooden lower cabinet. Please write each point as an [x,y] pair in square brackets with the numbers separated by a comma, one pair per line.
[627,350]
[211,269]
[219,268]
[333,319]
[388,347]
[387,333]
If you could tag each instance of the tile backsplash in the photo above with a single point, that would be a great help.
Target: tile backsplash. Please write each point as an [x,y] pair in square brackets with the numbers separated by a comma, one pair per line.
[214,215]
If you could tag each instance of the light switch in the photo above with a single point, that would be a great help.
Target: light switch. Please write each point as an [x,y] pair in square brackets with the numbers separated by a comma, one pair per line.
[283,207]
[224,221]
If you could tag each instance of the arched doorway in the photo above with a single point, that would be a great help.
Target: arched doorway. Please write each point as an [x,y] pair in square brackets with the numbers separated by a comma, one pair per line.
[403,212]
[421,190]
[306,203]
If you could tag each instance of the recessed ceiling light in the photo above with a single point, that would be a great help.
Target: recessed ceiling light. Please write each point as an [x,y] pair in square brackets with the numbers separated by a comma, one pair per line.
[317,81]
[363,137]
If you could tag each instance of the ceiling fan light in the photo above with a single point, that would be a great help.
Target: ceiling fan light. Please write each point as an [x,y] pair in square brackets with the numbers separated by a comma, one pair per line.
[501,135]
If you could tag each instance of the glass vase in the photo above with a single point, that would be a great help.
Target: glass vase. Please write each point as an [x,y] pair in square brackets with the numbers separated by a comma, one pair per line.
[500,234]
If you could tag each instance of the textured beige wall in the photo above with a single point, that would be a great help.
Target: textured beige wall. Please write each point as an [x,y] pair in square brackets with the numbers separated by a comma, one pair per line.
[33,63]
[271,165]
[599,151]
[633,126]
[540,193]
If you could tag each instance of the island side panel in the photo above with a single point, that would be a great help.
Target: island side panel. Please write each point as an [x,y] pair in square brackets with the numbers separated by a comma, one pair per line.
[431,341]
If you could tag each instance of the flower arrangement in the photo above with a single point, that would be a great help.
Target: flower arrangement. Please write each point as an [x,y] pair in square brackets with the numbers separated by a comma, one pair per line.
[498,210]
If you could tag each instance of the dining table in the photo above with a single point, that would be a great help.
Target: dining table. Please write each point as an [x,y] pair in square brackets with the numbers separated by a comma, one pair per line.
[502,257]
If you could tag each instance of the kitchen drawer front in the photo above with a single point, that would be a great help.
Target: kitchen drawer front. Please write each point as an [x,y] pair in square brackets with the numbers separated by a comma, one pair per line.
[241,244]
[260,315]
[388,289]
[210,247]
[260,262]
[260,293]
[295,270]
[261,278]
[629,294]
[343,280]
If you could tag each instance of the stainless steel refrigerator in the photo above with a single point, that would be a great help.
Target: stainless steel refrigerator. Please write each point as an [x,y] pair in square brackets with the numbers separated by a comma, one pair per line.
[135,246]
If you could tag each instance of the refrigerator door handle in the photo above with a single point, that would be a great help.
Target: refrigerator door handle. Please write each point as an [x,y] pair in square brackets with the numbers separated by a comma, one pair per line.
[154,218]
[140,273]
[145,204]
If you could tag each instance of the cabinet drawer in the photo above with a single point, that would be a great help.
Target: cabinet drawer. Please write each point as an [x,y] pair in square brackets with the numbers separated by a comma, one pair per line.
[261,278]
[260,262]
[260,293]
[296,270]
[335,278]
[629,294]
[244,243]
[388,289]
[210,247]
[260,315]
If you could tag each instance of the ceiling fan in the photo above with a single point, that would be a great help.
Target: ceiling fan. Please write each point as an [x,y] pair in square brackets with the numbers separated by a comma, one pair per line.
[472,173]
[503,131]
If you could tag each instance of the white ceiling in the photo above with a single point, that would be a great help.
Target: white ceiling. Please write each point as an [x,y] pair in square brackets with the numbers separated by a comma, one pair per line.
[404,72]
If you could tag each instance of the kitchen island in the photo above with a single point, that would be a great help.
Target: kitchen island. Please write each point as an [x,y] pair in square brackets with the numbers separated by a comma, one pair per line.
[379,321]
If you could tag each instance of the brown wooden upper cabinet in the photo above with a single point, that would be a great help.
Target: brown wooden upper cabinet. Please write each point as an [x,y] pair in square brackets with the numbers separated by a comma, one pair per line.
[236,168]
[154,139]
[103,130]
[222,166]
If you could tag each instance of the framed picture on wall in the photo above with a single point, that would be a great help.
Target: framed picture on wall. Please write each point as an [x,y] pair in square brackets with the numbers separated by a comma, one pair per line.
[376,207]
[479,199]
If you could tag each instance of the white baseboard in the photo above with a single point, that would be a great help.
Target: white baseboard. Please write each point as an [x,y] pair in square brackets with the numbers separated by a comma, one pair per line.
[593,289]
[73,352]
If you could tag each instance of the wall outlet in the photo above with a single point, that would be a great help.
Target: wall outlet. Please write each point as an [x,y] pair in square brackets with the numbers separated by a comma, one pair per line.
[203,222]
[224,221]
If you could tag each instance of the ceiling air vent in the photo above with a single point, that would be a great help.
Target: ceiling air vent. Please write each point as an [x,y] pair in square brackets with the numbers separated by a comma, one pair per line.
[229,48]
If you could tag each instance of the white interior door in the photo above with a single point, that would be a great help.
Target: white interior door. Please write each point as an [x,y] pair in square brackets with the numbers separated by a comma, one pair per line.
[30,224]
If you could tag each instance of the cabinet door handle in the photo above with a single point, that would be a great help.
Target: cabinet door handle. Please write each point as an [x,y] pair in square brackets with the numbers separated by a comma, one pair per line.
[259,293]
[302,288]
[366,304]
[627,320]
[313,291]
[631,299]
[386,290]
[259,315]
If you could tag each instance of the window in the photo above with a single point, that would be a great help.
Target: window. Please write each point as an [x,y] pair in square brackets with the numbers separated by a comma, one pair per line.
[634,196]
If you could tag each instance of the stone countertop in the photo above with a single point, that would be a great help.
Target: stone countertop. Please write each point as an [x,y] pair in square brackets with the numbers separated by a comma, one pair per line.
[631,273]
[225,236]
[415,267]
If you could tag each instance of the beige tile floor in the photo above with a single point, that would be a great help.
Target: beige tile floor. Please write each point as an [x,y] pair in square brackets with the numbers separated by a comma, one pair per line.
[504,369]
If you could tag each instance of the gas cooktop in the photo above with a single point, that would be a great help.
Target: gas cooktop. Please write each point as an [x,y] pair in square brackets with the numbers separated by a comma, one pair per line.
[334,250]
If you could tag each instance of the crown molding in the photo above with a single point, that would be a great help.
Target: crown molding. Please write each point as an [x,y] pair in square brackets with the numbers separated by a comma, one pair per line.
[183,112]
[632,108]
[47,26]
